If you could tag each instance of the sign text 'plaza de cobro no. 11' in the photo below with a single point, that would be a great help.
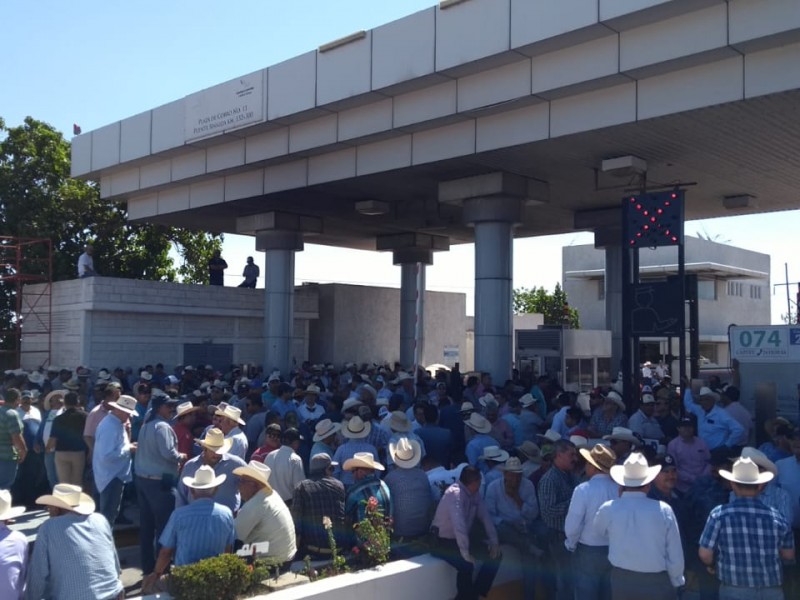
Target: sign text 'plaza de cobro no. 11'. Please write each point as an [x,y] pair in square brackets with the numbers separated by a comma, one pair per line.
[231,105]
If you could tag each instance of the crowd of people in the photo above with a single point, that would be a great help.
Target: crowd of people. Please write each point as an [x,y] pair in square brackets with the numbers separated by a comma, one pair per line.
[599,499]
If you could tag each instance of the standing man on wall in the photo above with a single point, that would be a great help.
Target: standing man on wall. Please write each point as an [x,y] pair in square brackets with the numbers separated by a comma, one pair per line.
[86,263]
[216,269]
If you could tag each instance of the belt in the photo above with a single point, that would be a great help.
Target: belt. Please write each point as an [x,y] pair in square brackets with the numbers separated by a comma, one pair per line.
[151,477]
[317,550]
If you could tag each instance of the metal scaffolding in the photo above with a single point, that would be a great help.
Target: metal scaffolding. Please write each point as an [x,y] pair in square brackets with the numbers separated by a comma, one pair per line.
[26,263]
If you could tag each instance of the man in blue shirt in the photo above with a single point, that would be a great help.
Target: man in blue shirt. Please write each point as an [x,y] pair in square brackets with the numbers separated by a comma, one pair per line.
[202,529]
[715,426]
[113,456]
[216,455]
[746,539]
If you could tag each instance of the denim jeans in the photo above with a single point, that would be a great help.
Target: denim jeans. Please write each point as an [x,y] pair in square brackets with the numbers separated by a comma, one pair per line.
[591,571]
[50,467]
[110,500]
[8,473]
[156,503]
[730,592]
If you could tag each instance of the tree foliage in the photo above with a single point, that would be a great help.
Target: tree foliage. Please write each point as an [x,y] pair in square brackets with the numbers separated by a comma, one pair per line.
[39,199]
[553,306]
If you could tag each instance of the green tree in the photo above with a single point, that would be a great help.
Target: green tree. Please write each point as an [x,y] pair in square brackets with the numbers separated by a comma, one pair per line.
[39,199]
[554,307]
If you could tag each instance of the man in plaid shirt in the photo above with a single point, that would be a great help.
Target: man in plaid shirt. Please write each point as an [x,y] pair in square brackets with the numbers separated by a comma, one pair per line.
[747,538]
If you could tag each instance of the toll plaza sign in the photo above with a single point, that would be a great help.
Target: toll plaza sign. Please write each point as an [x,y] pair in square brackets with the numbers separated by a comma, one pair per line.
[776,343]
[224,107]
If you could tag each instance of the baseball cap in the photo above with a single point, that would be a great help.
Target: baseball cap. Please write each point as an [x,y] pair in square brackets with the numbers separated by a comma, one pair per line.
[320,462]
[665,462]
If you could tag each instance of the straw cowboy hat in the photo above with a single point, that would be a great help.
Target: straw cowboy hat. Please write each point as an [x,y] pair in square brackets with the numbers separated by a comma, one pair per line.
[634,472]
[530,451]
[478,423]
[184,408]
[362,460]
[758,457]
[614,397]
[324,429]
[126,404]
[8,512]
[512,465]
[405,453]
[257,471]
[601,457]
[622,434]
[494,453]
[69,497]
[204,479]
[745,471]
[356,428]
[399,422]
[48,399]
[215,441]
[232,413]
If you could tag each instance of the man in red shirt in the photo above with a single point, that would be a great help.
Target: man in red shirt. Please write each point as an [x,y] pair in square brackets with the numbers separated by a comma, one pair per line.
[182,425]
[272,441]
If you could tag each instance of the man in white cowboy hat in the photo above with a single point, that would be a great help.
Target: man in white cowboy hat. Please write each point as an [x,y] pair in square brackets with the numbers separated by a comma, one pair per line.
[74,556]
[529,418]
[183,541]
[482,428]
[715,425]
[309,411]
[531,456]
[286,465]
[325,437]
[401,428]
[453,526]
[589,547]
[409,490]
[643,422]
[263,517]
[746,541]
[644,545]
[114,456]
[367,484]
[230,418]
[13,551]
[319,496]
[185,416]
[607,416]
[354,432]
[493,457]
[511,502]
[623,441]
[555,492]
[216,455]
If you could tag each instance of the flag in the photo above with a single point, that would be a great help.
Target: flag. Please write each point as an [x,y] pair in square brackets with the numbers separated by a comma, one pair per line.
[76,129]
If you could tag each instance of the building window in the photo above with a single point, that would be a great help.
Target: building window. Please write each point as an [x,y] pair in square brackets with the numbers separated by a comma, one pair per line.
[735,288]
[601,289]
[755,292]
[707,289]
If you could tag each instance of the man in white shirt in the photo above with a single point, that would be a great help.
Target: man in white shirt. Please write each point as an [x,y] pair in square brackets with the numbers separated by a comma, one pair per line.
[588,545]
[86,263]
[644,545]
[286,465]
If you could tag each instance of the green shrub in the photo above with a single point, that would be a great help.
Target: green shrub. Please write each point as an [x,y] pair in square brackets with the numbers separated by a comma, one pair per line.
[224,577]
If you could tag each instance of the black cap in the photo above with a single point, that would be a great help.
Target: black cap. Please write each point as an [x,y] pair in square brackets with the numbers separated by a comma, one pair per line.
[160,401]
[666,461]
[686,421]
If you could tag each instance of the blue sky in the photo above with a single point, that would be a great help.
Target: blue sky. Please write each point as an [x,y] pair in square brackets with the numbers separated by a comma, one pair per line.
[92,62]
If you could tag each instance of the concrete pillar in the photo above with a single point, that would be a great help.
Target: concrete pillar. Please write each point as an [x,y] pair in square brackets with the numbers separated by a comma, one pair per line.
[493,205]
[613,296]
[412,288]
[279,248]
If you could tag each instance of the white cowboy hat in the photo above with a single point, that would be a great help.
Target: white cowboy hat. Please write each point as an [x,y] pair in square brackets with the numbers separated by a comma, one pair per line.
[126,404]
[48,399]
[527,400]
[634,472]
[584,402]
[146,375]
[623,434]
[351,403]
[69,497]
[204,479]
[488,399]
[405,453]
[72,385]
[401,377]
[466,407]
[551,435]
[325,428]
[36,377]
[356,428]
[232,413]
[103,375]
[312,390]
[184,408]
[399,422]
[512,465]
[579,441]
[614,397]
[257,471]
[8,512]
[216,441]
[758,457]
[478,423]
[362,460]
[706,392]
[494,453]
[745,471]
